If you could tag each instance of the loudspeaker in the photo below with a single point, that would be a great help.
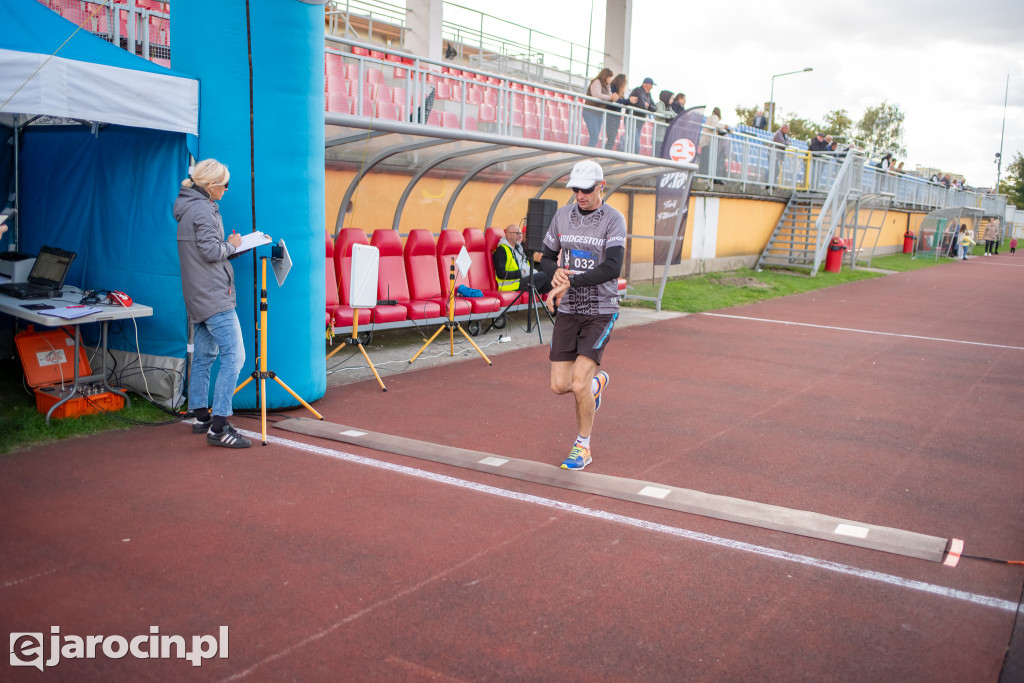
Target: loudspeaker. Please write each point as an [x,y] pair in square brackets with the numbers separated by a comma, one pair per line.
[363,283]
[539,214]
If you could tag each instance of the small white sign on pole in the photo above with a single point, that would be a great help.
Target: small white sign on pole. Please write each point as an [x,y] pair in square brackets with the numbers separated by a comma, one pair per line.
[363,290]
[463,262]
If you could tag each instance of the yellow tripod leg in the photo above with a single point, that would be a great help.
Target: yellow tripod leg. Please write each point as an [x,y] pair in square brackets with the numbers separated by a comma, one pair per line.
[297,398]
[478,350]
[422,348]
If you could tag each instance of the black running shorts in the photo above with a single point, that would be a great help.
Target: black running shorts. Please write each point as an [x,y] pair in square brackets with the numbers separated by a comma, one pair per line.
[580,335]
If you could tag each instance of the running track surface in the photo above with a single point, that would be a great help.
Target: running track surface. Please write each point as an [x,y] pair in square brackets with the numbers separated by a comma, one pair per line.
[331,562]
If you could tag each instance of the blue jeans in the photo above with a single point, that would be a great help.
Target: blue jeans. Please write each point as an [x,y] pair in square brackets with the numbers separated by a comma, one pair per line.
[594,121]
[220,332]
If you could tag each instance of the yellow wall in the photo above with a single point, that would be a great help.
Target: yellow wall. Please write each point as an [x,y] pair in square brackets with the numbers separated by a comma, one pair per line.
[744,224]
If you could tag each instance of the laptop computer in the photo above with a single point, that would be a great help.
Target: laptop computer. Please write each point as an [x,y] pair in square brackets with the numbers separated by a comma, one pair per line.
[46,279]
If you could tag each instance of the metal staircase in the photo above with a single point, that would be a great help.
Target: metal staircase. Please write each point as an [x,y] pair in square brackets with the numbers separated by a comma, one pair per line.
[801,237]
[794,242]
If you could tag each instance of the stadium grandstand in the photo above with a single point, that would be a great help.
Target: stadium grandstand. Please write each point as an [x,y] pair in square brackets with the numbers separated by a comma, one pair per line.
[452,130]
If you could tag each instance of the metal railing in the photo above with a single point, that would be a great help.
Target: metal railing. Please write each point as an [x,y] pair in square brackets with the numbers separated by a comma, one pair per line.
[518,107]
[374,13]
[477,100]
[844,185]
[480,39]
[141,27]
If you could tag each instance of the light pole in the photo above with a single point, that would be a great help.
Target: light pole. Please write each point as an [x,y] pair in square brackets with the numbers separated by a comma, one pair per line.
[999,156]
[771,99]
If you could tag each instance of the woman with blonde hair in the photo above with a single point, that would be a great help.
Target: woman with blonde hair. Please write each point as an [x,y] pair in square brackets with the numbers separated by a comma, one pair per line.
[208,285]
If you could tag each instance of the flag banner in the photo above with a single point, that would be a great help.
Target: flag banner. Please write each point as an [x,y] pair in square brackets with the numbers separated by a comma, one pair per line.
[672,200]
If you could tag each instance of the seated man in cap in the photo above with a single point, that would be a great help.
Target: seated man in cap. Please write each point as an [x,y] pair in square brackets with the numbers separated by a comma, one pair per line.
[644,104]
[583,253]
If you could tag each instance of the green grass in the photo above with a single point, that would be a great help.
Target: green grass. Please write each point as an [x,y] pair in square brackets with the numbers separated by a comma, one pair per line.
[22,426]
[711,291]
[903,262]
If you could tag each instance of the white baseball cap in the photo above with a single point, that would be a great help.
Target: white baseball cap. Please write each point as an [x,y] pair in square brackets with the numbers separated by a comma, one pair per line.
[585,174]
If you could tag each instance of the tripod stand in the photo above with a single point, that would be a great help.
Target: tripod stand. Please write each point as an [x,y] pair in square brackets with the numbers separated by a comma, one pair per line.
[451,324]
[354,341]
[263,374]
[533,301]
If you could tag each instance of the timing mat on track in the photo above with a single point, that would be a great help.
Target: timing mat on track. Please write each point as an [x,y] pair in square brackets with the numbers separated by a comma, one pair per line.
[800,522]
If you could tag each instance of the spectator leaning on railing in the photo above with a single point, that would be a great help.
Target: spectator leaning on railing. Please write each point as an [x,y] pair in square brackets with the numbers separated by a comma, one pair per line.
[781,138]
[618,89]
[665,113]
[679,103]
[643,105]
[713,127]
[600,90]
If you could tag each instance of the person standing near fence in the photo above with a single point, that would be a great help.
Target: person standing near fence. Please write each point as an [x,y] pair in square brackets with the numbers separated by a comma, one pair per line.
[991,233]
[618,89]
[594,113]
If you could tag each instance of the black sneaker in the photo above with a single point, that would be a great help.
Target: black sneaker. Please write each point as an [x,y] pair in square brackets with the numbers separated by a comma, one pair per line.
[200,426]
[228,438]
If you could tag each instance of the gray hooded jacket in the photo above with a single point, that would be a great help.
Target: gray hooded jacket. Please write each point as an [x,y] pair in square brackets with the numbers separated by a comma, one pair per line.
[207,278]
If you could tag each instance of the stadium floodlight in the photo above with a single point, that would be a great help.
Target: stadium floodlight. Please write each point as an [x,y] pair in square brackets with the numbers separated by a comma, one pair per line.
[771,99]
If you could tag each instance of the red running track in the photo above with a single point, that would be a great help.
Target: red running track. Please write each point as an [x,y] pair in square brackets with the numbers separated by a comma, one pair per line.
[327,567]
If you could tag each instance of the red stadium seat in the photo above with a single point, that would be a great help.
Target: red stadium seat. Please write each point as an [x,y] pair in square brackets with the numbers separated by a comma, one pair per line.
[337,315]
[421,269]
[384,313]
[449,244]
[392,282]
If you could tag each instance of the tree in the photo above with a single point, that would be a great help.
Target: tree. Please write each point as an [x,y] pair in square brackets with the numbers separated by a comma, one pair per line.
[837,122]
[882,127]
[1012,185]
[799,128]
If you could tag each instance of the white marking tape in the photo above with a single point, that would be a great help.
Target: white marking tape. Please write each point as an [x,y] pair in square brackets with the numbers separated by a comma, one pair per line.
[851,530]
[827,565]
[655,491]
[850,329]
[492,461]
[350,432]
[956,547]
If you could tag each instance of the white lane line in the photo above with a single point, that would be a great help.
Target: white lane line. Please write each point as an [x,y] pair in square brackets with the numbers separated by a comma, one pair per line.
[851,329]
[889,579]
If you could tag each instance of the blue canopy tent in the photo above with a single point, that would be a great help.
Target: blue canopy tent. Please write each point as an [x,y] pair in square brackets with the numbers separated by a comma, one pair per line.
[100,142]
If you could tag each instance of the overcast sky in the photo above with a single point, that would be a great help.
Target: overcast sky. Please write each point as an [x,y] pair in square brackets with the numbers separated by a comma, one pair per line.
[944,63]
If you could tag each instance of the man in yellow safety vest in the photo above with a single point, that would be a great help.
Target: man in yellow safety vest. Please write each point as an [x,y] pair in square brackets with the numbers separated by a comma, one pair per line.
[511,267]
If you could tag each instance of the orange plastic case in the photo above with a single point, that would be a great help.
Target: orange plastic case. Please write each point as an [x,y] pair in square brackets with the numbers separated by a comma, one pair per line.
[80,405]
[46,358]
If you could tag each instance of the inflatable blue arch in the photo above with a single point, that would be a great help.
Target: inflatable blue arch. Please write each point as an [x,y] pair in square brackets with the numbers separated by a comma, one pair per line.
[105,189]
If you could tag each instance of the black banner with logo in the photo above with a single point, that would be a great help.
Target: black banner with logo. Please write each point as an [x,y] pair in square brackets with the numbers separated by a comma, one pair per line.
[672,201]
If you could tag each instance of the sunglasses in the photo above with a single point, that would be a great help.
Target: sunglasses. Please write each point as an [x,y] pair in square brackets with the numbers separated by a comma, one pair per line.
[582,191]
